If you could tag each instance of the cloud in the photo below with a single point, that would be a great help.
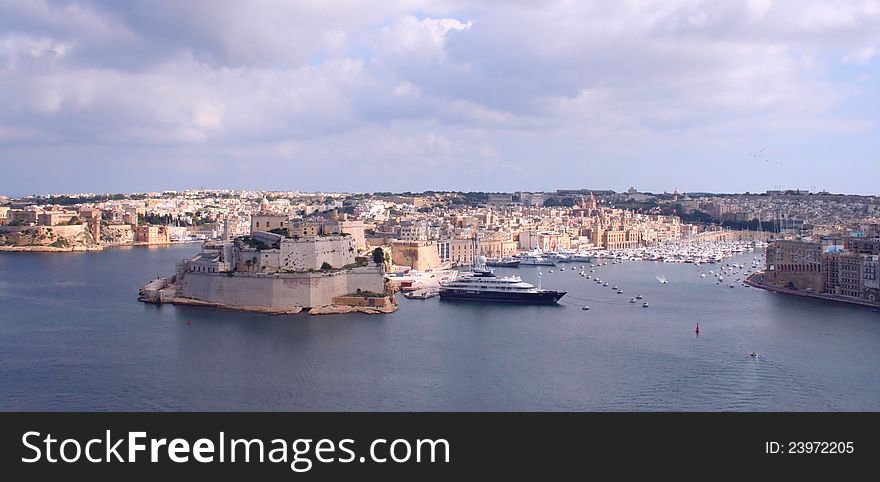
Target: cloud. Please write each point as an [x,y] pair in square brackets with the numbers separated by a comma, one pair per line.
[429,82]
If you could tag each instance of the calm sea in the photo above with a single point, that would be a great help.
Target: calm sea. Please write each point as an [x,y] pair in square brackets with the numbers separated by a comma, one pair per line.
[74,337]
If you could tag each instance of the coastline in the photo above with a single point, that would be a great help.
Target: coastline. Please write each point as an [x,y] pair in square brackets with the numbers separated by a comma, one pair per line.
[292,310]
[804,294]
[85,249]
[49,249]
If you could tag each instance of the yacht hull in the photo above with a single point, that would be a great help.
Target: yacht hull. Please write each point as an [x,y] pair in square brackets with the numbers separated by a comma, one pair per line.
[541,297]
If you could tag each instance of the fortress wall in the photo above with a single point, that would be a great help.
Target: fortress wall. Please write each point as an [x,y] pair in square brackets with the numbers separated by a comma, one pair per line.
[278,291]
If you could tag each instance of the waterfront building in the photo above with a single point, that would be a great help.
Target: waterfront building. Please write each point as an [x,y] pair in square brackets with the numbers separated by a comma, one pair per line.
[796,265]
[863,245]
[148,234]
[871,277]
[843,274]
[419,255]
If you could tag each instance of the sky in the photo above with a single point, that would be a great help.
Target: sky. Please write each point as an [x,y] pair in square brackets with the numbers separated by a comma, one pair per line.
[412,95]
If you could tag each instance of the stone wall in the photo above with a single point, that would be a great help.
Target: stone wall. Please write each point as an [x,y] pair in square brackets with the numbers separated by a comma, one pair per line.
[282,289]
[419,255]
[313,252]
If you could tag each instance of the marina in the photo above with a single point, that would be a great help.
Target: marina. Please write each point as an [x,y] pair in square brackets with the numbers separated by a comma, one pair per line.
[430,354]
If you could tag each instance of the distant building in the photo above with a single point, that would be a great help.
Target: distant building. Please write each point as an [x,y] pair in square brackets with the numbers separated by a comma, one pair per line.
[266,220]
[55,217]
[499,199]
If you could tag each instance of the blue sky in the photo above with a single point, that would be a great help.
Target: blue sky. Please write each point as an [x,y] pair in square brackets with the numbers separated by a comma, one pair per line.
[408,95]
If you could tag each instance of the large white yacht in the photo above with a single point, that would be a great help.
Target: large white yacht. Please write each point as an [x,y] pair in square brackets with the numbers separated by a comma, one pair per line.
[483,285]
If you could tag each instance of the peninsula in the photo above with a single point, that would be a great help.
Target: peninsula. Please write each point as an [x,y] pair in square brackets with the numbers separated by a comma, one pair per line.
[283,271]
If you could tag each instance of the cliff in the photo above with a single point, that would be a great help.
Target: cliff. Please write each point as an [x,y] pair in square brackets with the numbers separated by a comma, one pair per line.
[47,238]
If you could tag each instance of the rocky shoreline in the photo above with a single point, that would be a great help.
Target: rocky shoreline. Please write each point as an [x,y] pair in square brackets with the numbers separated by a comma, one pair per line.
[266,310]
[49,249]
[164,290]
[289,310]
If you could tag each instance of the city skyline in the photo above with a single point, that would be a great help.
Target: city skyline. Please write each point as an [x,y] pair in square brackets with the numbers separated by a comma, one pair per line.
[704,96]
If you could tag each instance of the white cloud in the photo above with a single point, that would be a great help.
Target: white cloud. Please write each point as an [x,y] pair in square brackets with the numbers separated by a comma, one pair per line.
[427,80]
[860,56]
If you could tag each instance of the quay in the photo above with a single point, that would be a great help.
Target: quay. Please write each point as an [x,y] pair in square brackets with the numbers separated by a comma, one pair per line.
[756,280]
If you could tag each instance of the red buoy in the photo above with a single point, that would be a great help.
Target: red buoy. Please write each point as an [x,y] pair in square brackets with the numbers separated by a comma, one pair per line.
[697,329]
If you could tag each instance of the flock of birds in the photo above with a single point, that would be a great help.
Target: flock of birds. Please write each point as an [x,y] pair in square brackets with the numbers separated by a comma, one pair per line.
[761,155]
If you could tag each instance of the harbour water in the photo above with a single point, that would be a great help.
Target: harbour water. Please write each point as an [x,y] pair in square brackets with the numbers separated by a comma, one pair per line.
[74,337]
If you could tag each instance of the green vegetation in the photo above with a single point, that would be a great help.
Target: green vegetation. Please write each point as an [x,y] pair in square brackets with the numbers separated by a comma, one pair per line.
[700,217]
[469,198]
[71,200]
[279,231]
[253,243]
[367,294]
[325,266]
[567,202]
[378,255]
[60,243]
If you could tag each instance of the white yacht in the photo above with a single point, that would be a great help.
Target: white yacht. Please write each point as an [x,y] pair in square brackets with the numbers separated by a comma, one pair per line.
[483,285]
[533,260]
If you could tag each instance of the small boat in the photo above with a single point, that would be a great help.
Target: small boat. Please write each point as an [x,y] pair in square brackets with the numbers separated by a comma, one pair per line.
[422,294]
[605,284]
[614,287]
[638,297]
[632,300]
[620,292]
[753,354]
[644,305]
[585,307]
